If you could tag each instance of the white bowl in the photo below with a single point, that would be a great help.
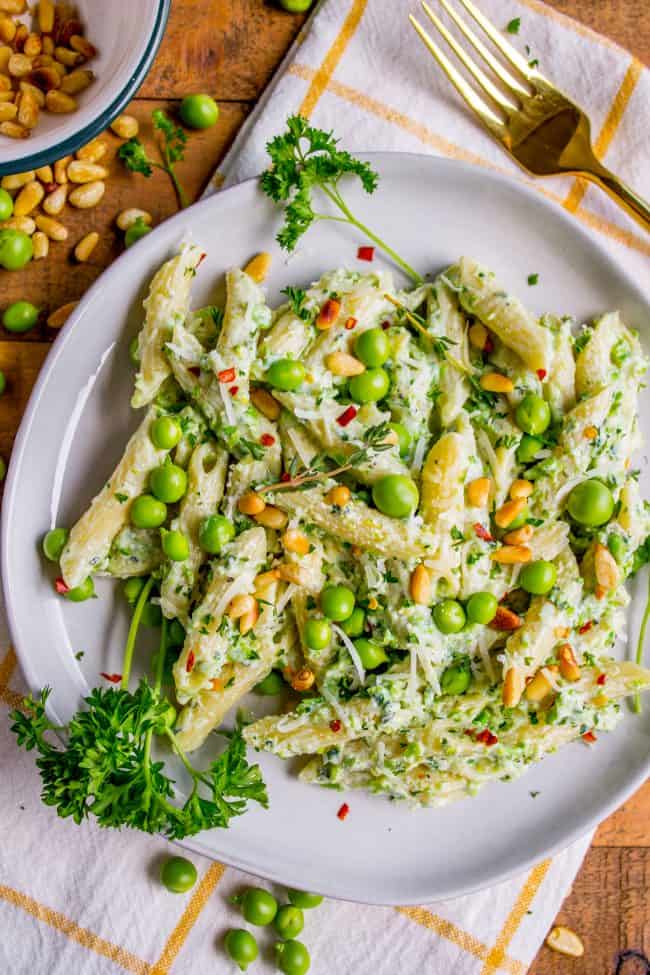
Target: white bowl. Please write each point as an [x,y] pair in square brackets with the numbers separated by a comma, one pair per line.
[127,36]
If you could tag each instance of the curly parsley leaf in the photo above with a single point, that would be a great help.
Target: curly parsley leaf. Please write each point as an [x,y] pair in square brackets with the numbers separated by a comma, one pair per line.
[134,156]
[171,145]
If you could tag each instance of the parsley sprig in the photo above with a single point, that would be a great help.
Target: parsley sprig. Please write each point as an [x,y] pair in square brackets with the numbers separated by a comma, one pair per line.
[304,159]
[171,145]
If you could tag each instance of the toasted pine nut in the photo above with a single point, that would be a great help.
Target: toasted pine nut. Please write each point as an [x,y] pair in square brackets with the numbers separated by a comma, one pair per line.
[59,103]
[606,570]
[568,663]
[478,492]
[46,16]
[296,541]
[13,6]
[54,202]
[28,110]
[25,224]
[496,382]
[511,554]
[77,81]
[68,57]
[33,45]
[565,941]
[249,619]
[35,92]
[81,44]
[85,172]
[46,78]
[303,680]
[513,687]
[6,84]
[61,169]
[507,513]
[344,364]
[271,517]
[28,198]
[5,54]
[420,585]
[21,35]
[86,246]
[251,503]
[48,45]
[520,536]
[52,227]
[262,400]
[59,69]
[8,111]
[521,489]
[14,130]
[19,65]
[8,29]
[41,245]
[328,314]
[87,195]
[590,433]
[258,267]
[60,316]
[6,97]
[17,180]
[243,603]
[292,572]
[125,126]
[266,579]
[538,688]
[338,495]
[478,335]
[92,151]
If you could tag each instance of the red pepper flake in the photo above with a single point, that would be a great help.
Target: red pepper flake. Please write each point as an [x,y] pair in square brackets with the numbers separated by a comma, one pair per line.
[267,440]
[194,370]
[201,259]
[589,737]
[366,254]
[489,345]
[469,732]
[350,323]
[486,737]
[335,725]
[285,476]
[190,661]
[385,326]
[113,678]
[226,375]
[343,811]
[541,374]
[233,390]
[586,627]
[601,679]
[61,587]
[482,532]
[346,416]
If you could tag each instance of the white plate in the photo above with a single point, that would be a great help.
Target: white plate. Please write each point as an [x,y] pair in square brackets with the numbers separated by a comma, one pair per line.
[78,419]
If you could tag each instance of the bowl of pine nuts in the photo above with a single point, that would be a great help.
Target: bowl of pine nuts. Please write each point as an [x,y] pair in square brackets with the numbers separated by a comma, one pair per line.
[67,70]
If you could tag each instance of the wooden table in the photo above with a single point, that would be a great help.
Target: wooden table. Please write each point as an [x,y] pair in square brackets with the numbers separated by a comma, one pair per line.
[231,48]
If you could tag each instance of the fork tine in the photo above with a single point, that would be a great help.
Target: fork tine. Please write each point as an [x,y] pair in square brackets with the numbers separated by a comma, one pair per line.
[508,51]
[508,79]
[475,102]
[473,68]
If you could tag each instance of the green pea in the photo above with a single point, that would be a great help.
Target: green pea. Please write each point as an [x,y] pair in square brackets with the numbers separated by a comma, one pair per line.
[148,512]
[165,432]
[403,437]
[136,231]
[372,347]
[528,449]
[481,607]
[241,946]
[132,589]
[151,615]
[372,654]
[16,249]
[289,921]
[176,634]
[20,317]
[271,686]
[292,957]
[538,577]
[616,545]
[337,602]
[79,594]
[533,414]
[303,899]
[168,482]
[285,374]
[355,623]
[449,616]
[295,6]
[175,546]
[6,205]
[199,111]
[215,532]
[591,503]
[317,634]
[3,382]
[257,905]
[371,386]
[456,678]
[134,351]
[396,495]
[178,875]
[54,543]
[520,519]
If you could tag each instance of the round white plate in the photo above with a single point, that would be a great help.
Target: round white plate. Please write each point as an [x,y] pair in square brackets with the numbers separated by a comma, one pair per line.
[78,420]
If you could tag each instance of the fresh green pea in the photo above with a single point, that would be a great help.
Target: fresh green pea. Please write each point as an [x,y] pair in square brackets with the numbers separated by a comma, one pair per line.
[372,347]
[533,414]
[520,519]
[303,899]
[134,351]
[241,946]
[199,111]
[538,577]
[285,374]
[317,634]
[616,545]
[271,686]
[289,921]
[528,449]
[337,602]
[175,546]
[591,503]
[132,589]
[449,616]
[16,249]
[296,6]
[148,512]
[396,495]
[178,875]
[257,905]
[20,317]
[371,386]
[79,594]
[176,634]
[371,653]
[6,205]
[136,232]
[165,432]
[355,623]
[54,543]
[481,607]
[215,532]
[292,957]
[403,437]
[456,678]
[3,382]
[168,482]
[151,615]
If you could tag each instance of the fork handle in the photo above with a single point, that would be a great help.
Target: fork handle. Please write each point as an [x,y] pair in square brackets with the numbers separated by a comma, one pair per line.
[624,195]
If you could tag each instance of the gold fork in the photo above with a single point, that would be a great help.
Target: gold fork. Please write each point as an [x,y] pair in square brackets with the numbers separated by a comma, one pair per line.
[544,131]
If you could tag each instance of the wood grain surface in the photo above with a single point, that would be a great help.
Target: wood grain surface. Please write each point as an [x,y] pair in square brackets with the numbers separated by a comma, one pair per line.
[231,48]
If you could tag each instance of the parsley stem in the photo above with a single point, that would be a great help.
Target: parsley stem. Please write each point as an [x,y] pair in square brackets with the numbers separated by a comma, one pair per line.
[636,704]
[133,632]
[160,664]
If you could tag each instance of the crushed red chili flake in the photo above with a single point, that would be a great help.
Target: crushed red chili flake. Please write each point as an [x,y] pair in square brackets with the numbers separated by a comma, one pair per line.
[586,627]
[194,370]
[267,440]
[489,345]
[589,737]
[346,416]
[61,587]
[233,390]
[201,259]
[366,253]
[343,811]
[541,374]
[335,725]
[350,323]
[601,679]
[190,661]
[486,737]
[226,375]
[385,325]
[482,532]
[285,476]
[113,678]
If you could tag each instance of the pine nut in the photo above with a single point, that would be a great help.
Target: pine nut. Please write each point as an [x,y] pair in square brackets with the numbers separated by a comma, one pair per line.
[17,180]
[61,169]
[561,632]
[33,45]
[344,364]
[41,245]
[52,227]
[25,224]
[8,111]
[54,202]
[538,688]
[125,126]
[22,33]
[28,110]
[271,517]
[59,103]
[600,700]
[292,572]
[85,172]
[248,620]
[19,65]
[420,585]
[496,382]
[48,45]
[5,54]
[83,46]
[13,6]
[266,579]
[61,315]
[77,81]
[46,16]
[92,152]
[64,55]
[126,218]
[265,402]
[507,513]
[28,198]
[521,489]
[328,314]
[606,570]
[303,680]
[14,130]
[512,554]
[478,492]
[45,78]
[590,433]
[6,97]
[568,663]
[259,267]
[87,195]
[513,687]
[520,536]
[6,84]
[35,92]
[243,603]
[8,29]
[59,69]
[86,246]
[565,941]
[338,496]
[478,335]
[251,503]
[295,541]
